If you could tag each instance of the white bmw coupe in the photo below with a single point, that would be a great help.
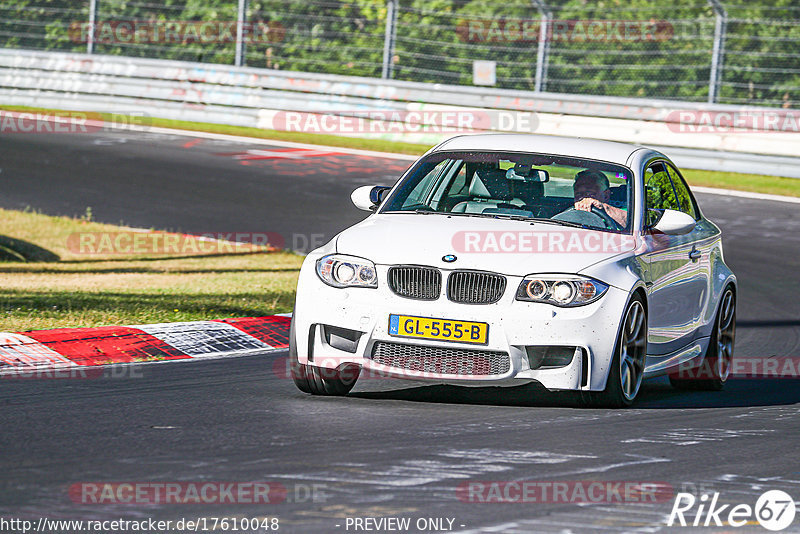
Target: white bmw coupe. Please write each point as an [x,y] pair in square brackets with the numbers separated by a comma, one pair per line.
[501,259]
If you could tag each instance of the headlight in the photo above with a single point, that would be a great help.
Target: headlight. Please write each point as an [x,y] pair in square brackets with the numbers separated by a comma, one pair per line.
[338,270]
[564,291]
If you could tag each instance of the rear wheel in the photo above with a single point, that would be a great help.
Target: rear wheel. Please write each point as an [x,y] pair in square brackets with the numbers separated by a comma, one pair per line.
[627,365]
[316,380]
[716,366]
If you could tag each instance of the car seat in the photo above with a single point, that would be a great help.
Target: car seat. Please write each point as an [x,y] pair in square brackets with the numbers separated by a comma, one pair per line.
[489,189]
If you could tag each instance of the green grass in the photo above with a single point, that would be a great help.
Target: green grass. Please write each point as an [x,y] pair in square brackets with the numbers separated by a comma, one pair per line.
[79,289]
[725,180]
[756,183]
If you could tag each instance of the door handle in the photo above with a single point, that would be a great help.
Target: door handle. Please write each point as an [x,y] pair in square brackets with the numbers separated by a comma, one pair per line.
[694,255]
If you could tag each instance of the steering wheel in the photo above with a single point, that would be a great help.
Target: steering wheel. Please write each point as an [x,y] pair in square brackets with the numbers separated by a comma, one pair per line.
[539,209]
[589,218]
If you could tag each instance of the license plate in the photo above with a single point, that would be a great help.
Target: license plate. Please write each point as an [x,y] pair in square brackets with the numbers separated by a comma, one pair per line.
[439,329]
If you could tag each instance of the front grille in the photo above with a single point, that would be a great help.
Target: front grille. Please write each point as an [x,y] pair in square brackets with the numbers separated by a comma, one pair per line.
[440,360]
[471,287]
[423,283]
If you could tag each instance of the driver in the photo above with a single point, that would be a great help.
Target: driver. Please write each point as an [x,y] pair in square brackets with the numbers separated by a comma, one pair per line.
[591,189]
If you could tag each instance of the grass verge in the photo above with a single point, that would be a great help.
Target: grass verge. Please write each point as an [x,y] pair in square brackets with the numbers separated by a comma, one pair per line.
[132,287]
[755,183]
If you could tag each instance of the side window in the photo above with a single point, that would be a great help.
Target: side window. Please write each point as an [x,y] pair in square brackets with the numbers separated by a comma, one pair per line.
[682,193]
[660,194]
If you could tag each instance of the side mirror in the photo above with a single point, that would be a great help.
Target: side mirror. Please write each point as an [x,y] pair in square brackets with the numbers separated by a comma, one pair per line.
[674,222]
[368,197]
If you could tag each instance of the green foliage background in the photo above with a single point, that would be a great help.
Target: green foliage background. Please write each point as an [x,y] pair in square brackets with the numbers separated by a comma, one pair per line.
[347,36]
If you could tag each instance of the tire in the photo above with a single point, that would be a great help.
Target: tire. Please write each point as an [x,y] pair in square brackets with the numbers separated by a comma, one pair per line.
[627,366]
[714,370]
[317,381]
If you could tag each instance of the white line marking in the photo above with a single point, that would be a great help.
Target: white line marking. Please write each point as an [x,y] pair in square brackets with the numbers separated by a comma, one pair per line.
[405,157]
[746,194]
[260,141]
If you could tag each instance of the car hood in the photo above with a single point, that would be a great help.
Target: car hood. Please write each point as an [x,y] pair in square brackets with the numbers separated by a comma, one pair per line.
[499,245]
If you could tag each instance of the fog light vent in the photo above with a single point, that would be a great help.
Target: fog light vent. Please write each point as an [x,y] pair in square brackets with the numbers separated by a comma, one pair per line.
[341,338]
[550,357]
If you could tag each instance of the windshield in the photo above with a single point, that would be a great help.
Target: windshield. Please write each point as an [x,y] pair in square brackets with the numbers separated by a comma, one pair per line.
[568,191]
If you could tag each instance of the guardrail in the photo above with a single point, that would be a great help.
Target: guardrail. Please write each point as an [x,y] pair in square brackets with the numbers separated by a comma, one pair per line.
[246,96]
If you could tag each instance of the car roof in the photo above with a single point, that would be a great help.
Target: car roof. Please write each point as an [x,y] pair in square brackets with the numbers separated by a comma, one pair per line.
[577,147]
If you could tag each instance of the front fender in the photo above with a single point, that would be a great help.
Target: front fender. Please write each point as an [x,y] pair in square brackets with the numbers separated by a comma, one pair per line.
[625,272]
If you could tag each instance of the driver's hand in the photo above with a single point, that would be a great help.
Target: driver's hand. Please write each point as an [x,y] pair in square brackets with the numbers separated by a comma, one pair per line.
[585,204]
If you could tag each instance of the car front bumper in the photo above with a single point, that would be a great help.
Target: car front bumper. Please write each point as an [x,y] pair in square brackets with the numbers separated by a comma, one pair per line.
[337,327]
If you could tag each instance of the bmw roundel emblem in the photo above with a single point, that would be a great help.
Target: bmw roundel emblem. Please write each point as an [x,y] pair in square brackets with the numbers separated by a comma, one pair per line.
[449,258]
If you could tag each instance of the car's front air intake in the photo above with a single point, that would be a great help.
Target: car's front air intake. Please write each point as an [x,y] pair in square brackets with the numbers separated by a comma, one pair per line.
[423,283]
[473,287]
[429,361]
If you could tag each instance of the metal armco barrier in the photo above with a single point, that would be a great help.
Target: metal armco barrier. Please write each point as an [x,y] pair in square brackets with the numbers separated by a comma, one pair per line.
[246,96]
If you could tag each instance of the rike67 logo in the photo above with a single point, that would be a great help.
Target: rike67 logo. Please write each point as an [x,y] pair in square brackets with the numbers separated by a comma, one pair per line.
[774,510]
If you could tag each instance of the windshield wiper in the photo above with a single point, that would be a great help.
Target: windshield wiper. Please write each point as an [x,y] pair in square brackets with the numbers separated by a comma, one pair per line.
[536,219]
[505,216]
[556,221]
[455,214]
[416,210]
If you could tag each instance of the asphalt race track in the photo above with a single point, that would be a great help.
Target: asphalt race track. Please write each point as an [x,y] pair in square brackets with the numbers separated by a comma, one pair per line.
[390,449]
[189,185]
